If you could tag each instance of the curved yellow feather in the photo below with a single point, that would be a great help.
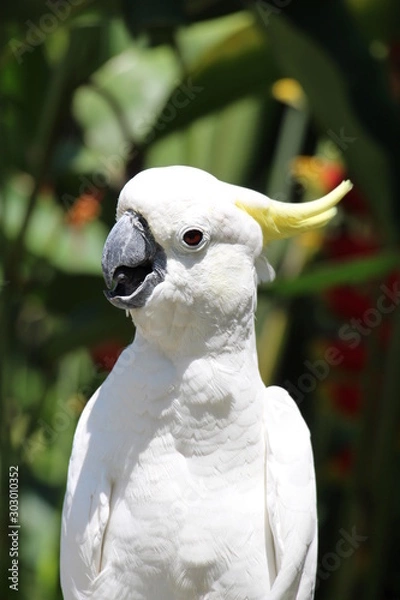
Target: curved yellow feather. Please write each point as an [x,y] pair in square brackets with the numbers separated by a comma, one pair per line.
[281,219]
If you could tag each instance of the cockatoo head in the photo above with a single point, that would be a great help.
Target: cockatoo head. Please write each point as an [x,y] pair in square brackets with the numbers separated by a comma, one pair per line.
[186,245]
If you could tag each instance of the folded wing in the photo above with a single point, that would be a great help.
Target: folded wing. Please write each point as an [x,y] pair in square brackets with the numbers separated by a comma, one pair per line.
[290,497]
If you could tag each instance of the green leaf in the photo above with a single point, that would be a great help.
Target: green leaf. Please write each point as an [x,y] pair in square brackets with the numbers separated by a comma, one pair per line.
[328,275]
[70,249]
[239,66]
[224,143]
[118,107]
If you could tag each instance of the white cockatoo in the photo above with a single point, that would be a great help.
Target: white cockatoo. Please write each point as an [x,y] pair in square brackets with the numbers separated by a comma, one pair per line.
[189,479]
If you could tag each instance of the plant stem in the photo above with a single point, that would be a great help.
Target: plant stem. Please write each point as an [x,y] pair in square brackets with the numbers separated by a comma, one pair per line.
[383,466]
[40,151]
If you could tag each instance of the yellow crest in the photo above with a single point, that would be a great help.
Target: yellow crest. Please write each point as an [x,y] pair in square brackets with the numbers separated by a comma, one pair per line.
[282,219]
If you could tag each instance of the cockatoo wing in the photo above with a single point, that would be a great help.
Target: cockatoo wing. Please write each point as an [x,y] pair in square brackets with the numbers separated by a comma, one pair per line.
[290,497]
[85,517]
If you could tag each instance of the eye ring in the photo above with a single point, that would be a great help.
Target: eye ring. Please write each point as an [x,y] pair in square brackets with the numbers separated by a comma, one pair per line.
[193,238]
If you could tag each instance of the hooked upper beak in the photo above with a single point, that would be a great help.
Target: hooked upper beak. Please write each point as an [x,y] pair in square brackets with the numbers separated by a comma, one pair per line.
[132,262]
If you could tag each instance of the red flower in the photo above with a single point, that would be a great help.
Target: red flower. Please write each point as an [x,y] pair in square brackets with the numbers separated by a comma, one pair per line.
[105,354]
[353,202]
[345,245]
[86,208]
[347,302]
[346,397]
[351,359]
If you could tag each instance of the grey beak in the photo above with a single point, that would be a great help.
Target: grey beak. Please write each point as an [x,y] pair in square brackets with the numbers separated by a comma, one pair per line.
[133,263]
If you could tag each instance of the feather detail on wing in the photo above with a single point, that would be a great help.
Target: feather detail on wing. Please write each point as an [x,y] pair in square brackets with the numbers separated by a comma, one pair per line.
[290,497]
[85,517]
[92,542]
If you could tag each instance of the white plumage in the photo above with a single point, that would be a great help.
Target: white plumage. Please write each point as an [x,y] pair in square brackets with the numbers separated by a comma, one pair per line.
[188,478]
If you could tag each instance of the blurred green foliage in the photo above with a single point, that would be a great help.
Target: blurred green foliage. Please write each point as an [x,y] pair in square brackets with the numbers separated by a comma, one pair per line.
[91,93]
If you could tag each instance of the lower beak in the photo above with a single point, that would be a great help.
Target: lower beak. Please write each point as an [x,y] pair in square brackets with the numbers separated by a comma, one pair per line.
[133,263]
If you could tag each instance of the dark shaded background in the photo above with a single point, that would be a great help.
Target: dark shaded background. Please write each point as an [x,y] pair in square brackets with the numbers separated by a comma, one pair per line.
[288,97]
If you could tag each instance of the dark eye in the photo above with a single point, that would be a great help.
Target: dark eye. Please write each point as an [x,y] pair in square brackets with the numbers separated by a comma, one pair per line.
[192,237]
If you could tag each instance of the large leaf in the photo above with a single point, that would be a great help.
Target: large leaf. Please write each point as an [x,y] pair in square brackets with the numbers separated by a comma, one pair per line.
[119,106]
[239,66]
[72,249]
[328,275]
[139,96]
[224,144]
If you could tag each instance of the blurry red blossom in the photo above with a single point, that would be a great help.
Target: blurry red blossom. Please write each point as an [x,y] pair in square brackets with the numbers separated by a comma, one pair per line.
[85,209]
[346,397]
[105,354]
